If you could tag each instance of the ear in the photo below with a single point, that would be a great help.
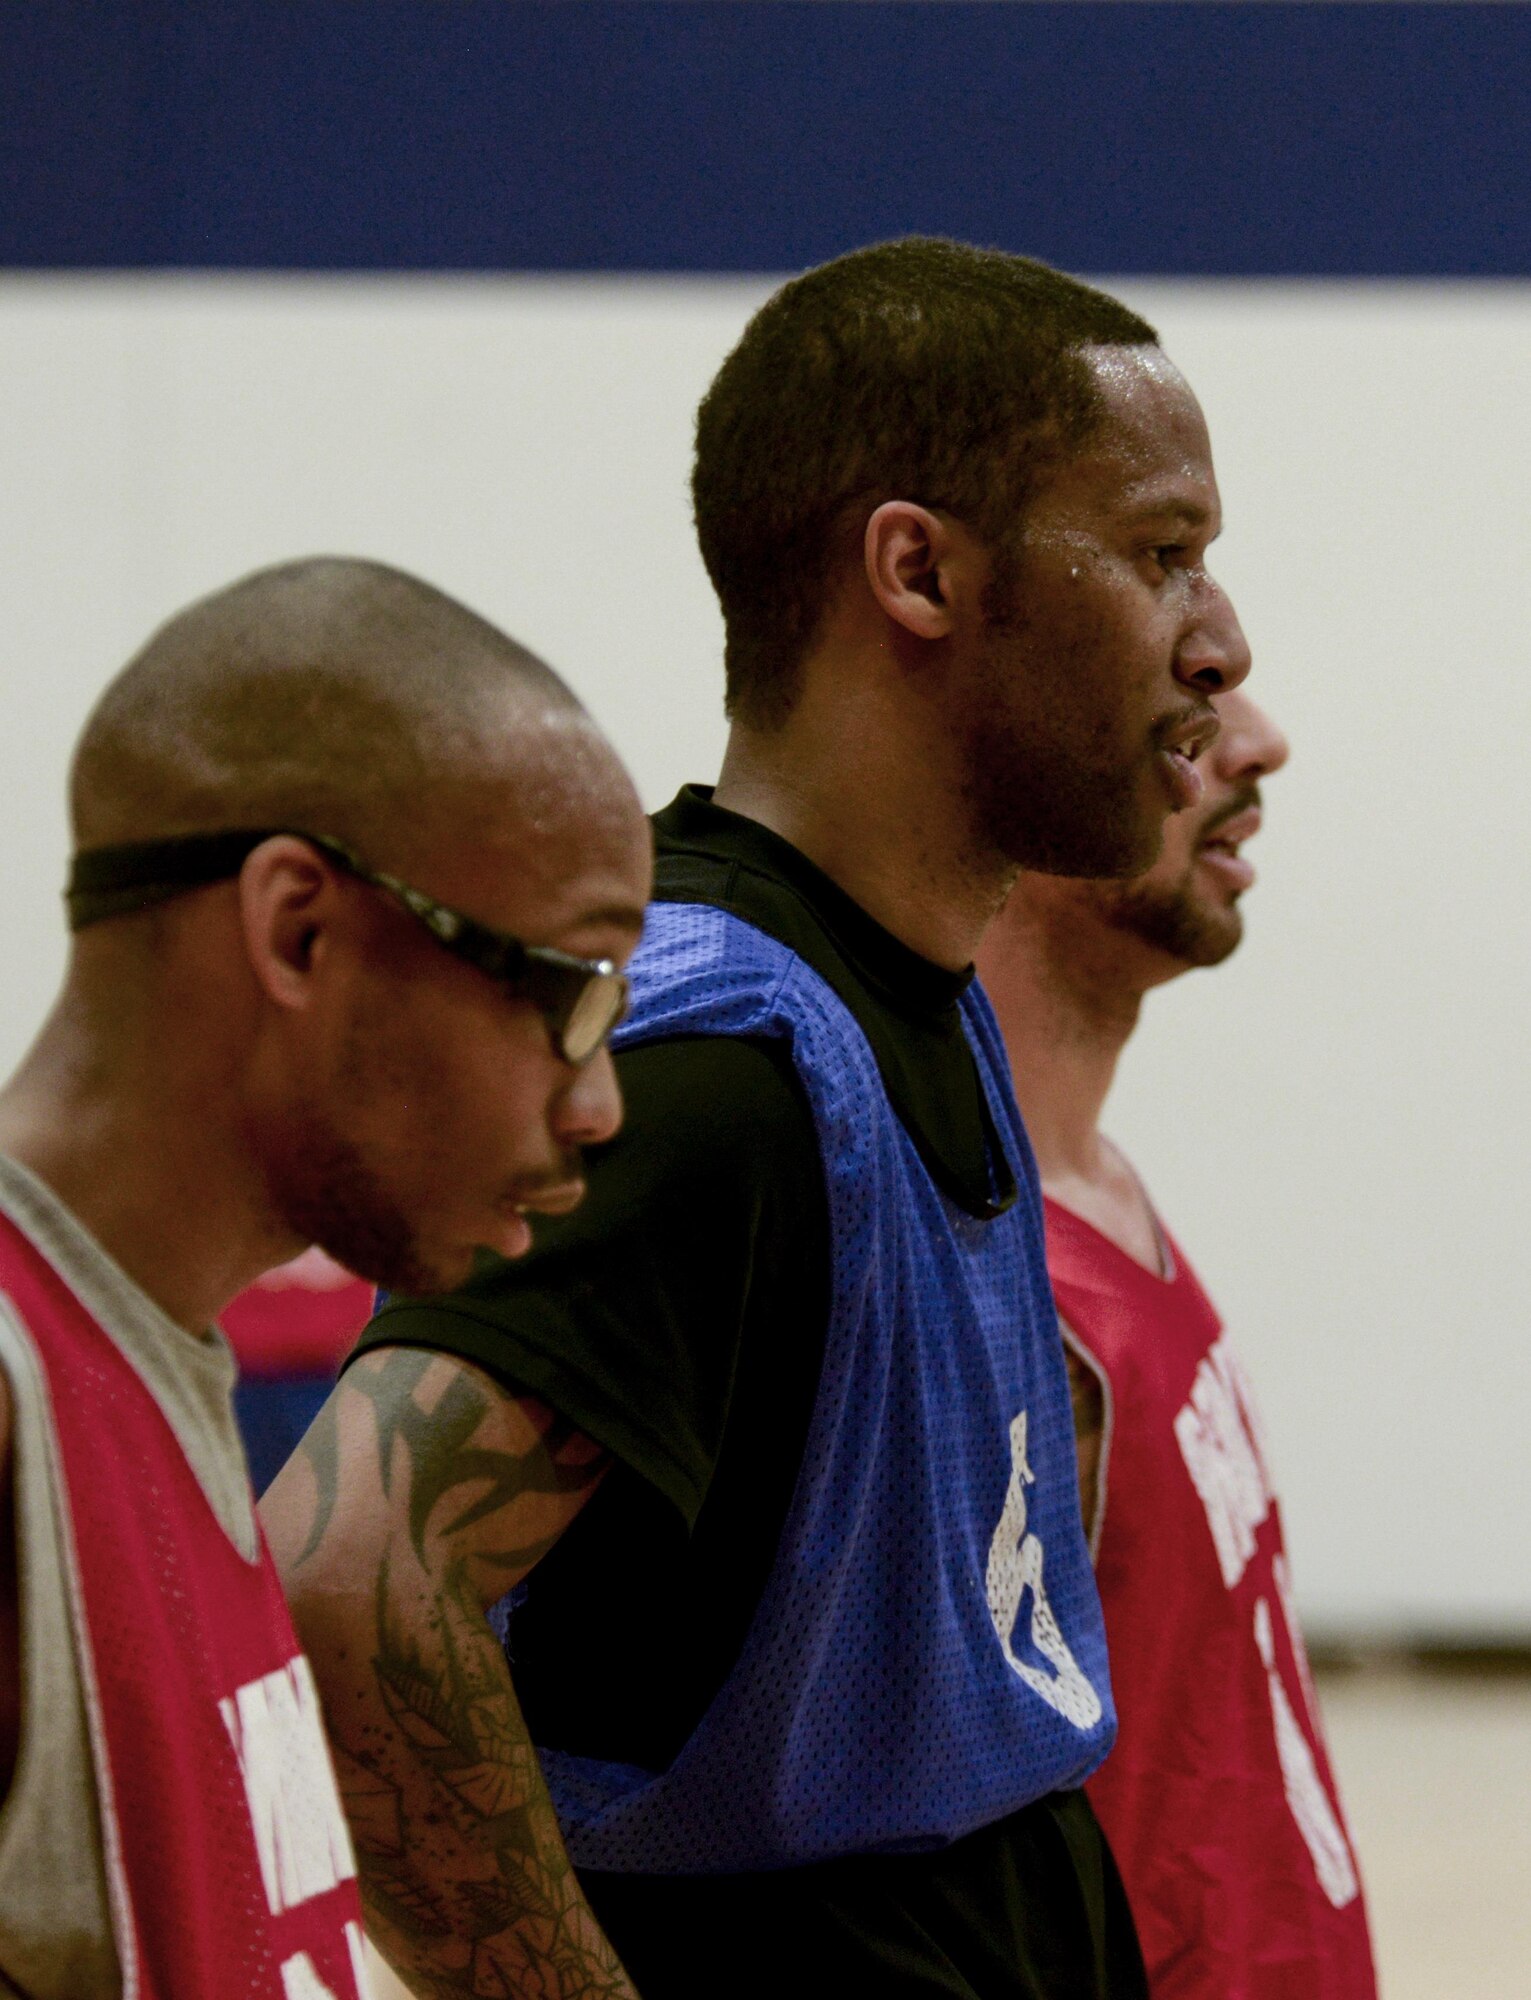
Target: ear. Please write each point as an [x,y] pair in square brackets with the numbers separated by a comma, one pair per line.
[288,904]
[909,554]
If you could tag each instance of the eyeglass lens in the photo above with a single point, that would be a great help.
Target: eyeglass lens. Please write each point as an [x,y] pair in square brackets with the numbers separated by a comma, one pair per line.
[596,1011]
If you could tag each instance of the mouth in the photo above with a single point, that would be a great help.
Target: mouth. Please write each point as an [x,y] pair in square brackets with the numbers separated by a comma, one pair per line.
[1219,849]
[513,1235]
[1178,754]
[562,1198]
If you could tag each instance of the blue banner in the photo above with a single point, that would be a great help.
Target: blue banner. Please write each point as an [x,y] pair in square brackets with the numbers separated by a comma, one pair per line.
[1310,139]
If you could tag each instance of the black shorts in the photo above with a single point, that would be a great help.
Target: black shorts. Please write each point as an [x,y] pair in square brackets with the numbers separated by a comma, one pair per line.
[1030,1908]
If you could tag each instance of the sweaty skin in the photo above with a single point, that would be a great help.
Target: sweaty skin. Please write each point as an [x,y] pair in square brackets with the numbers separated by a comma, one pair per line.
[926,701]
[968,711]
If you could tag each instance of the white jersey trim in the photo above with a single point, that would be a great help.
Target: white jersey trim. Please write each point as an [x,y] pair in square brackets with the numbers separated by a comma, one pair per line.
[191,1379]
[113,1927]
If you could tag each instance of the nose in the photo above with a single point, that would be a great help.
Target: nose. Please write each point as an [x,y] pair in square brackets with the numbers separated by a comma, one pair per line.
[1214,654]
[588,1110]
[1249,745]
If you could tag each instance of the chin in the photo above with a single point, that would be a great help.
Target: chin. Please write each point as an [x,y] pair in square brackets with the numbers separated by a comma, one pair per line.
[1207,937]
[1182,927]
[1129,847]
[380,1250]
[1100,852]
[436,1268]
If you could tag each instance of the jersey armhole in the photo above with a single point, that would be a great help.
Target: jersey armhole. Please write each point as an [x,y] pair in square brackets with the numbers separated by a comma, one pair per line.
[109,1928]
[1082,1354]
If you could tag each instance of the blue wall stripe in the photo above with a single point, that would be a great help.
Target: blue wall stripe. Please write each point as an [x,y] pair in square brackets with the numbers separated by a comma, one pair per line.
[719,135]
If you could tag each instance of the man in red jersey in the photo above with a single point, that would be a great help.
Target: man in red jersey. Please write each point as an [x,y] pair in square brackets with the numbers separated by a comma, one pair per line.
[1218,1799]
[353,877]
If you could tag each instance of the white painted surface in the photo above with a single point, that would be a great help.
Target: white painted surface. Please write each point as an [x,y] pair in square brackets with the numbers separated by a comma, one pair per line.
[1333,1122]
[1336,1120]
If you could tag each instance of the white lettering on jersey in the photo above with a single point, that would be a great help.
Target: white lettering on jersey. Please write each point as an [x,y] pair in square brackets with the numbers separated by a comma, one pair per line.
[1015,1563]
[300,1832]
[301,1982]
[358,1960]
[1293,1625]
[1219,1438]
[1317,1821]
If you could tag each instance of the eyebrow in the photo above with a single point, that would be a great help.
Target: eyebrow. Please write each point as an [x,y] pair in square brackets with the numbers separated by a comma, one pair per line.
[1191,512]
[625,916]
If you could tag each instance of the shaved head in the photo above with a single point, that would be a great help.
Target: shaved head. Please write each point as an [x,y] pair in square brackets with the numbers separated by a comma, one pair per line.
[350,862]
[335,695]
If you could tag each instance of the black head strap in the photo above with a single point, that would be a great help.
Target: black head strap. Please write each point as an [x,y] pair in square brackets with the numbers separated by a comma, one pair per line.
[118,881]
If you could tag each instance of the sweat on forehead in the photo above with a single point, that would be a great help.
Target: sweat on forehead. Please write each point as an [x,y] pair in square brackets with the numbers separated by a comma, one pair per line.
[333,694]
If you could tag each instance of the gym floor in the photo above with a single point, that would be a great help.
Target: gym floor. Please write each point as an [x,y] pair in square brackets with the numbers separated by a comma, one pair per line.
[1435,1769]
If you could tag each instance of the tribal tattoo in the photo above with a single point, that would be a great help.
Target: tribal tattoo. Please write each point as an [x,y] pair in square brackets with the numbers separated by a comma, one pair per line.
[439,1455]
[464,1874]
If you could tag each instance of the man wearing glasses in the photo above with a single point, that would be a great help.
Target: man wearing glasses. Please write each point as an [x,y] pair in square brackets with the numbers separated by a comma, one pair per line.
[354,880]
[816,1673]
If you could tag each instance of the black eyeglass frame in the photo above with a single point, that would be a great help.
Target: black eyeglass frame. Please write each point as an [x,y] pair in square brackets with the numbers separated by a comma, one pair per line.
[581,999]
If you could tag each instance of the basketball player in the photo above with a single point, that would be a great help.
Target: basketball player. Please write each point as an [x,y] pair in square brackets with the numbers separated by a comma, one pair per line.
[813,1708]
[274,1028]
[1218,1798]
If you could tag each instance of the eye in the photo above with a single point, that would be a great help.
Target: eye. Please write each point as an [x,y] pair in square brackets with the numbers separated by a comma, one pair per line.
[1168,555]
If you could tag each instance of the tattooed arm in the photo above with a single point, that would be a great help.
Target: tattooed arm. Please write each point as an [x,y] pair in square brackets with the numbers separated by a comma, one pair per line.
[421,1493]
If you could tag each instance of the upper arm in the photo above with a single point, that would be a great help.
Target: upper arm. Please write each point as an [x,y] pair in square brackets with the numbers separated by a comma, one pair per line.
[629,1316]
[422,1462]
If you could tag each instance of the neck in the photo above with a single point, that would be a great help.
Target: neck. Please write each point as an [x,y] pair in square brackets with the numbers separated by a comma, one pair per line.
[1064,1033]
[864,796]
[132,1146]
[1066,1006]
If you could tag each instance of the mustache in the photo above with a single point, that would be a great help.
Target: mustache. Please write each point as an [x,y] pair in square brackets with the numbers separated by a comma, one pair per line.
[1243,798]
[570,1166]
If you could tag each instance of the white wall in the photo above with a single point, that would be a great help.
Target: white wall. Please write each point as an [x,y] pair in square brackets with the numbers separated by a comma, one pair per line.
[1339,1117]
[1333,1122]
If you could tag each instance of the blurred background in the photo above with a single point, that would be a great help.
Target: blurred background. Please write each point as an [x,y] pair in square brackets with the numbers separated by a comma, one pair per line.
[442,284]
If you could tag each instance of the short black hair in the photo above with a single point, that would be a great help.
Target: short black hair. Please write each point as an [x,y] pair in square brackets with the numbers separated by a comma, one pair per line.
[914,370]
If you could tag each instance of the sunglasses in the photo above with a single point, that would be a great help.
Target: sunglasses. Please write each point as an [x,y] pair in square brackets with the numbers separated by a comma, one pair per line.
[581,999]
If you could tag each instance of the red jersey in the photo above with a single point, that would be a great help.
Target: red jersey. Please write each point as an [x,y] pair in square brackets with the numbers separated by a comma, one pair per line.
[301,1319]
[229,1866]
[1218,1799]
